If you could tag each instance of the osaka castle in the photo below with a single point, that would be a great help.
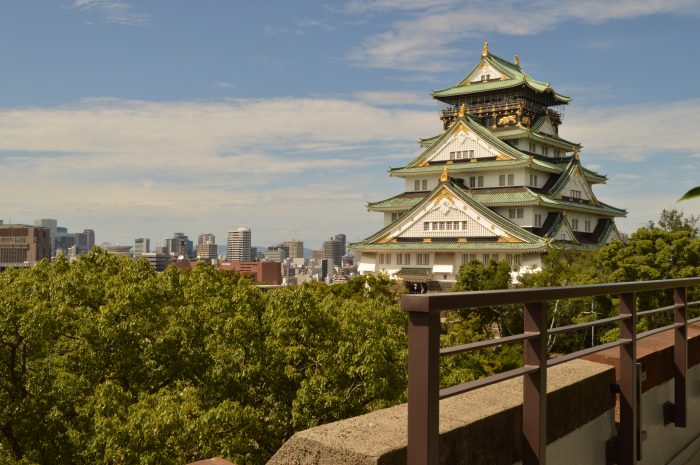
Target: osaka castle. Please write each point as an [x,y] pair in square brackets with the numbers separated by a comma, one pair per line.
[498,183]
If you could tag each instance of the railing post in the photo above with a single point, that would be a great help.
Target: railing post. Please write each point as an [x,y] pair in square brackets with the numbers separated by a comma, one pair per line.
[680,356]
[627,434]
[535,387]
[423,387]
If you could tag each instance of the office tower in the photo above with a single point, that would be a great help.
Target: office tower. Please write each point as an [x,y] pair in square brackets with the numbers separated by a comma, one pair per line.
[333,251]
[90,238]
[207,251]
[238,245]
[22,244]
[180,244]
[159,261]
[295,248]
[52,225]
[206,238]
[276,253]
[142,245]
[341,238]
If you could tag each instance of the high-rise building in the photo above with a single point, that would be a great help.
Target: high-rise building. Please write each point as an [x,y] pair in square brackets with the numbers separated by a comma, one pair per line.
[238,245]
[207,251]
[142,245]
[277,253]
[333,252]
[499,183]
[180,244]
[90,238]
[295,248]
[341,238]
[206,238]
[21,244]
[52,225]
[159,261]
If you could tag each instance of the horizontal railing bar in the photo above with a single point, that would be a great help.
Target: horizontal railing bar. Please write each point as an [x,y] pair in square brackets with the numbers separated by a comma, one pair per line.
[483,382]
[581,353]
[431,303]
[651,332]
[488,343]
[694,303]
[694,320]
[587,324]
[660,309]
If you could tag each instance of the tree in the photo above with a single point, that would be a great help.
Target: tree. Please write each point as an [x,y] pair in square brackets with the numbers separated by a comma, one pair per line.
[119,364]
[675,220]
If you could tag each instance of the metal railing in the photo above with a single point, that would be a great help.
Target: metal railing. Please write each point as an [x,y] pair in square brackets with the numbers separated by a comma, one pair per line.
[424,354]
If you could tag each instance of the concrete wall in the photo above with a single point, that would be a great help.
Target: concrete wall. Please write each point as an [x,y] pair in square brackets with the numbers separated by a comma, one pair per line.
[479,427]
[663,443]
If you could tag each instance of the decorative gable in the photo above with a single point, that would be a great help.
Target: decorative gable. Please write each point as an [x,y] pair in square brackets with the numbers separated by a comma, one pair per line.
[547,128]
[564,233]
[446,215]
[464,143]
[484,72]
[576,187]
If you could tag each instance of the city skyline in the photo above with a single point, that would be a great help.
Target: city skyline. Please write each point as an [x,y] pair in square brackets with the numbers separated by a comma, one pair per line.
[142,120]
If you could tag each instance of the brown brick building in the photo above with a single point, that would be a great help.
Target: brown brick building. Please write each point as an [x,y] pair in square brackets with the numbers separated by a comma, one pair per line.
[261,272]
[21,244]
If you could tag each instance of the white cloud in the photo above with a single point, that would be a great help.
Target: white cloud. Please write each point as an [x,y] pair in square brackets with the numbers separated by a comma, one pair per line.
[388,98]
[108,164]
[223,85]
[114,11]
[635,132]
[426,41]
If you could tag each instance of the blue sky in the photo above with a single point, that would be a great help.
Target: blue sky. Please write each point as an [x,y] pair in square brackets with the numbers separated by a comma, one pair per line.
[139,119]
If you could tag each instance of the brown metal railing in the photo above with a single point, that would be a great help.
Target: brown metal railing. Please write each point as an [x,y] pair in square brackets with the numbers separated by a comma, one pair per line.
[424,354]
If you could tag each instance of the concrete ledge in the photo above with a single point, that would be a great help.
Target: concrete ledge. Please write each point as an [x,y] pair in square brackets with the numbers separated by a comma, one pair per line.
[479,427]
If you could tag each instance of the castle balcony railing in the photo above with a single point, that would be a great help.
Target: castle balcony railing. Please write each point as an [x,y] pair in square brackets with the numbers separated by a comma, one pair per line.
[424,351]
[502,105]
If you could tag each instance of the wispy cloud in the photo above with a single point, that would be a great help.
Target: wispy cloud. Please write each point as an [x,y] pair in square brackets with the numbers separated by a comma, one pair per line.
[114,11]
[635,132]
[427,41]
[247,161]
[223,85]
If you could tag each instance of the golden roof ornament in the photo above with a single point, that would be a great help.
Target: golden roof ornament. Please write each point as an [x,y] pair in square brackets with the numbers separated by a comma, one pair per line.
[576,154]
[485,49]
[445,175]
[461,111]
[517,61]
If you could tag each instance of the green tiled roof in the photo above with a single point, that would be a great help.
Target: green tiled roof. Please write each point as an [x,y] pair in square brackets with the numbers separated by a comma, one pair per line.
[474,125]
[492,216]
[505,197]
[518,131]
[428,141]
[540,246]
[517,78]
[404,201]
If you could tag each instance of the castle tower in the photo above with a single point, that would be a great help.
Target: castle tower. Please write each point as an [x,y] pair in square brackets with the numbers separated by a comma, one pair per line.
[498,183]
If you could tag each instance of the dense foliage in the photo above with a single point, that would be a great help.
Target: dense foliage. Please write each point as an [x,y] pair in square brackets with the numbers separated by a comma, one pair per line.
[105,361]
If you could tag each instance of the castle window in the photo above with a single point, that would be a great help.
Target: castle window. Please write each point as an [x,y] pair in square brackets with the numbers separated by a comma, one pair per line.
[449,225]
[574,224]
[416,185]
[395,216]
[422,259]
[533,180]
[511,179]
[480,180]
[424,184]
[520,212]
[501,179]
[511,213]
[538,220]
[426,226]
[587,225]
[575,194]
[472,181]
